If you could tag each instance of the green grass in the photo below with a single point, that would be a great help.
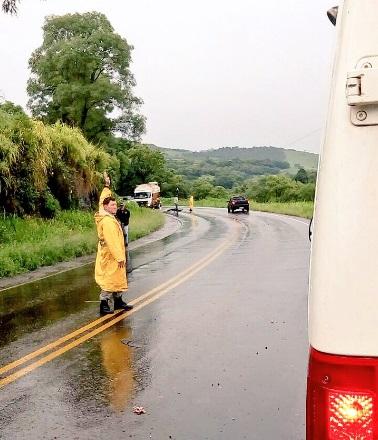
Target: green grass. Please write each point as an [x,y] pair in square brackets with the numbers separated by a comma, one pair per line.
[143,221]
[299,209]
[27,244]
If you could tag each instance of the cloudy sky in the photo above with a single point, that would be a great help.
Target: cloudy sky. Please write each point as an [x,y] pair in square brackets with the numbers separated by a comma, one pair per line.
[212,73]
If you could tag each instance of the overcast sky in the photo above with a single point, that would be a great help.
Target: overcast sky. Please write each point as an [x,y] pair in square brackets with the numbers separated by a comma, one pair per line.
[211,73]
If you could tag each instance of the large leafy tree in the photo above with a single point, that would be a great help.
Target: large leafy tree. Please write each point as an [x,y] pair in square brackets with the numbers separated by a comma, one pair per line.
[202,187]
[81,76]
[301,176]
[141,164]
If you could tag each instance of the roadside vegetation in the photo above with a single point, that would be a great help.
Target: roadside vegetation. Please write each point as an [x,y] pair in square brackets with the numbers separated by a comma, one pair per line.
[203,203]
[298,209]
[291,195]
[29,243]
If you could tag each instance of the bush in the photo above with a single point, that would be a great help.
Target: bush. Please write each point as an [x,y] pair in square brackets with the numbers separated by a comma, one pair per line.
[49,206]
[202,187]
[279,189]
[219,192]
[307,192]
[40,163]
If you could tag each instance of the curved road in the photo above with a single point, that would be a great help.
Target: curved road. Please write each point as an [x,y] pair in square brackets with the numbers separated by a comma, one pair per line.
[215,347]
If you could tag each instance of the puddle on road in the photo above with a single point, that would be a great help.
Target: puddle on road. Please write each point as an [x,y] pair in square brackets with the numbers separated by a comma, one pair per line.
[102,380]
[117,360]
[33,306]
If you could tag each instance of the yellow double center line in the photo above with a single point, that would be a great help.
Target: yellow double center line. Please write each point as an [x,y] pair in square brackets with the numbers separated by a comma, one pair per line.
[106,321]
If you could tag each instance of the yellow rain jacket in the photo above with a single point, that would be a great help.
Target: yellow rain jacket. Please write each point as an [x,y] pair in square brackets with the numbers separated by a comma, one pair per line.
[110,251]
[191,202]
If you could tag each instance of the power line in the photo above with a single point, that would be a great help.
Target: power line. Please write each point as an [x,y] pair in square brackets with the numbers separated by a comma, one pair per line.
[305,136]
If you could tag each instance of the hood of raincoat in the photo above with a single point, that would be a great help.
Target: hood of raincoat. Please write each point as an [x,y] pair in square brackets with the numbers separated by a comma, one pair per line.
[106,192]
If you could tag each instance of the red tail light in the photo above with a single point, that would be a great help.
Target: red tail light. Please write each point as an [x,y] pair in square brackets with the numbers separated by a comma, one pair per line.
[341,397]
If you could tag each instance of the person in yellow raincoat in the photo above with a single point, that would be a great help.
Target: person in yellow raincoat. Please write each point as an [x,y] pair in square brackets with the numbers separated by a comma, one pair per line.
[110,270]
[191,203]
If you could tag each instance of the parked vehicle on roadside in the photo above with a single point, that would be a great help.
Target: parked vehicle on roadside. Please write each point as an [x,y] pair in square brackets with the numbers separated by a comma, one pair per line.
[148,194]
[238,202]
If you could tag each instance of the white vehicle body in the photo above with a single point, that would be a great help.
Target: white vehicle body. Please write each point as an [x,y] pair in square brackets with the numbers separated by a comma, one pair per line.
[343,298]
[148,194]
[344,263]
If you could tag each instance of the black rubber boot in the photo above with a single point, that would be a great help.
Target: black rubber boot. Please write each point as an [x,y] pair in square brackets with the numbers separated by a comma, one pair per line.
[104,308]
[119,303]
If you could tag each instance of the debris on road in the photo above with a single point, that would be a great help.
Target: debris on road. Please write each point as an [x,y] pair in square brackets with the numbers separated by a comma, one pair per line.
[130,343]
[139,410]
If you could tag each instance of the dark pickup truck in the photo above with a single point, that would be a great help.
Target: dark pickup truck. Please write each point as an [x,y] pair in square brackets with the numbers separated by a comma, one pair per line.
[238,202]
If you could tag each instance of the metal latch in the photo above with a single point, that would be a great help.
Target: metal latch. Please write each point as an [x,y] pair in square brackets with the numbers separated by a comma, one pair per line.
[353,87]
[362,92]
[362,87]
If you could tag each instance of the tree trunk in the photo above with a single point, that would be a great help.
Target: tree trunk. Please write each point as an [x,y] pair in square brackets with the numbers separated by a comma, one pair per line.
[84,114]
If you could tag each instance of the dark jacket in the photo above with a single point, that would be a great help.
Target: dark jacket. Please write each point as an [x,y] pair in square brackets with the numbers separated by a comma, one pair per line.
[123,216]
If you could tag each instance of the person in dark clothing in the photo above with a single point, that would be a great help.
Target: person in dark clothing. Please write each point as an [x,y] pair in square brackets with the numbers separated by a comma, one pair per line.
[123,216]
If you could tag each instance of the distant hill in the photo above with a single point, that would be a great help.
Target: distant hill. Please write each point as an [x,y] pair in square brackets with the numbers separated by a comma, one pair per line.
[296,159]
[230,167]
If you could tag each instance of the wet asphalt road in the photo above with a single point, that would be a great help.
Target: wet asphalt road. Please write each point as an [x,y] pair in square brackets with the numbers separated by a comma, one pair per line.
[215,349]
